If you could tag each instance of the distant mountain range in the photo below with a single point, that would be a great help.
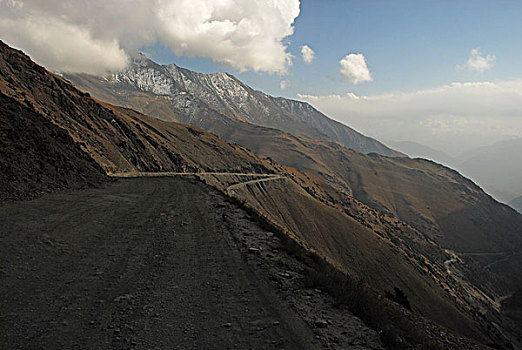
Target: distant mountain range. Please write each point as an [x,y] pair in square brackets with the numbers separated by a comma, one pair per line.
[496,168]
[417,150]
[386,221]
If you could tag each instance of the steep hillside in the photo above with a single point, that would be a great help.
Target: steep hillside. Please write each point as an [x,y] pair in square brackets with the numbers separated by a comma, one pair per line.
[495,168]
[418,192]
[118,139]
[383,254]
[357,249]
[184,90]
[434,199]
[37,156]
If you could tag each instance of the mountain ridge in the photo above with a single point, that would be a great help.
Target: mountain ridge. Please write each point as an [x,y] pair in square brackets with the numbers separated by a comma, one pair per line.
[501,177]
[236,100]
[418,150]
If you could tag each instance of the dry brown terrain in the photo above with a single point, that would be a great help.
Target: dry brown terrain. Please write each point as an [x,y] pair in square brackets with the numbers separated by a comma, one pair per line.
[432,198]
[116,138]
[166,262]
[310,208]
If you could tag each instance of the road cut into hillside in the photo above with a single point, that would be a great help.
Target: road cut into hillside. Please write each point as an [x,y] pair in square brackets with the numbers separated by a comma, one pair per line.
[156,263]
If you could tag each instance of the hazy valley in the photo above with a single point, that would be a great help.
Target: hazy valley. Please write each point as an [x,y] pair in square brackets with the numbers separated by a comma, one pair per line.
[496,168]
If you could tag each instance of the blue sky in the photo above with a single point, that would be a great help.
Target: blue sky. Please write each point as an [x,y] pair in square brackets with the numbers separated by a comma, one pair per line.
[408,45]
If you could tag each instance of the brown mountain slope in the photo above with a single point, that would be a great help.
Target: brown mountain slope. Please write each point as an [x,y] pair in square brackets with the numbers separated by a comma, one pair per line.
[118,139]
[37,156]
[123,140]
[357,250]
[436,201]
[432,198]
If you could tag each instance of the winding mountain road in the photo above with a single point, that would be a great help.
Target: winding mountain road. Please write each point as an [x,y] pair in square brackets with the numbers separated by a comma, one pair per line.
[171,173]
[262,177]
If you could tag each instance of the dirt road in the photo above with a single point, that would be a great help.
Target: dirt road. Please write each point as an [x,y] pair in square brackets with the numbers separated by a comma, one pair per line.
[156,263]
[262,179]
[177,174]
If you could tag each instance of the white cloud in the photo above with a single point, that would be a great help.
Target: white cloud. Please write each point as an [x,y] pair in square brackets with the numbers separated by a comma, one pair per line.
[284,84]
[60,46]
[451,118]
[354,69]
[241,34]
[478,62]
[307,53]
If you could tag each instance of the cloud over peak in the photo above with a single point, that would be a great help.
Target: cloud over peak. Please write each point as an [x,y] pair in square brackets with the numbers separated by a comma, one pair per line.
[64,48]
[353,68]
[478,62]
[307,53]
[98,35]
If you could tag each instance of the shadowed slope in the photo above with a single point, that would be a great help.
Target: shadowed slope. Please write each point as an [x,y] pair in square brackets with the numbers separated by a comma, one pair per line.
[37,156]
[118,139]
[357,250]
